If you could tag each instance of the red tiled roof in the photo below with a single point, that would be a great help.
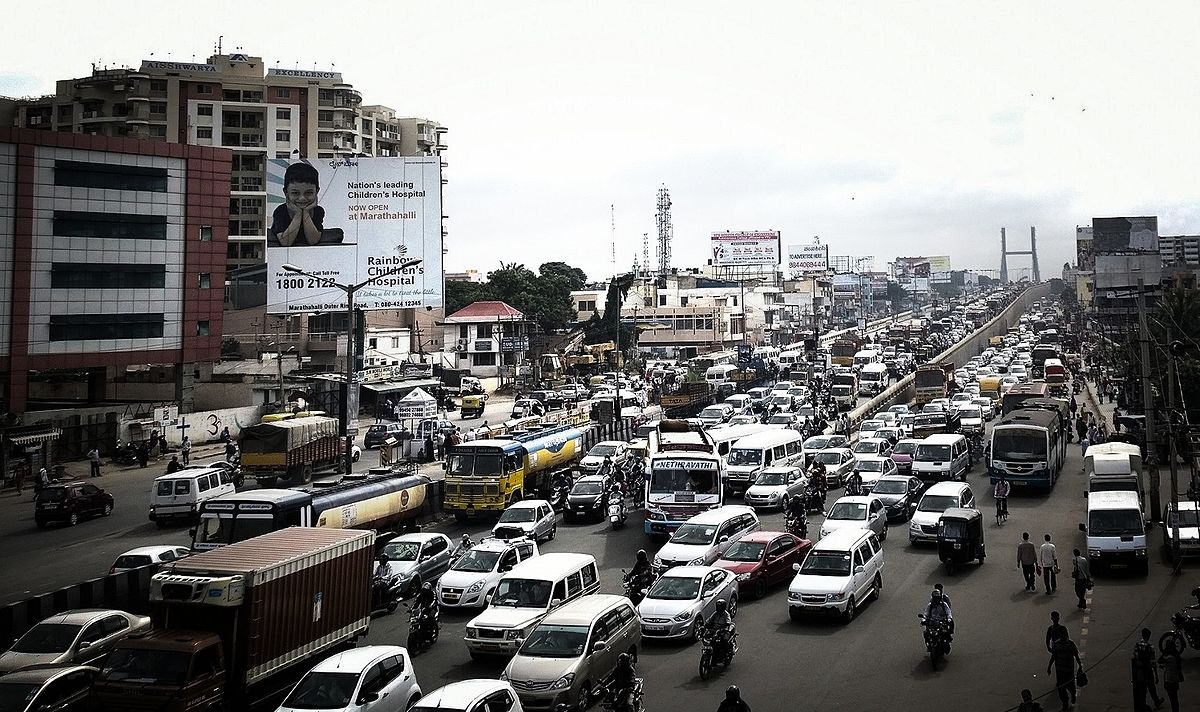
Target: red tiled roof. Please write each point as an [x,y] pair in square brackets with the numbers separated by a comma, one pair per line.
[487,310]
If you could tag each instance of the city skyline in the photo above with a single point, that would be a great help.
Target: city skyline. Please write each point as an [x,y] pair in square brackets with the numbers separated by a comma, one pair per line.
[824,122]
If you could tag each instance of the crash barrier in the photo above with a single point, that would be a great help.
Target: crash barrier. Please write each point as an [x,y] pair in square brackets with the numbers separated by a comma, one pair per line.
[832,336]
[126,591]
[903,390]
[623,429]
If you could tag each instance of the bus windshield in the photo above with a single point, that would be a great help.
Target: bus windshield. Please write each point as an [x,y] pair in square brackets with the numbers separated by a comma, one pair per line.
[672,479]
[214,530]
[1018,445]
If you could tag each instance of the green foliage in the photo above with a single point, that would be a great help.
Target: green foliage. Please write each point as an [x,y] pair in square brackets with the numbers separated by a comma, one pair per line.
[601,329]
[896,294]
[544,297]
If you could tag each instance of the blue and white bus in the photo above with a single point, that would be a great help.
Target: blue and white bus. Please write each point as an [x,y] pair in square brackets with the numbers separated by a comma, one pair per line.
[1029,446]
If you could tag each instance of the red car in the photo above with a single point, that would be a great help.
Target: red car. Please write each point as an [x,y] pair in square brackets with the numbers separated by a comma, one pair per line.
[763,559]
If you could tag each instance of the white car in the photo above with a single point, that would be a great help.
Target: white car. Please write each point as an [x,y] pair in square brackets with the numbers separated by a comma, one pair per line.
[146,555]
[867,427]
[704,537]
[616,450]
[872,446]
[530,518]
[774,486]
[870,469]
[484,695]
[841,571]
[987,405]
[959,399]
[743,420]
[472,578]
[373,678]
[1020,372]
[678,603]
[714,415]
[856,513]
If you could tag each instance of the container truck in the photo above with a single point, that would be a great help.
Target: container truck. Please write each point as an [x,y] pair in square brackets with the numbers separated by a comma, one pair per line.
[236,627]
[933,381]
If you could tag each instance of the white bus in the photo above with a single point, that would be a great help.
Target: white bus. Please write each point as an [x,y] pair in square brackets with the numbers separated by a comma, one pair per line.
[719,374]
[686,476]
[1029,448]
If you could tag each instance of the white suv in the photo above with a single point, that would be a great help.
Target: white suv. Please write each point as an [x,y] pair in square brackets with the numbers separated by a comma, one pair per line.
[842,570]
[473,577]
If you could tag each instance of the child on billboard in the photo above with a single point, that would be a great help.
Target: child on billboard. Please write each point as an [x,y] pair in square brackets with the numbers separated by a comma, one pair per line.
[299,220]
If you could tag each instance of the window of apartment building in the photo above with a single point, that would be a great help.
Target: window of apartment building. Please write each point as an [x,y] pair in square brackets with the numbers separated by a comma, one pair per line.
[203,132]
[158,107]
[120,109]
[204,109]
[683,301]
[161,85]
[284,92]
[463,332]
[483,331]
[324,116]
[283,154]
[283,136]
[158,131]
[395,342]
[231,95]
[87,327]
[66,113]
[487,359]
[70,275]
[254,96]
[587,305]
[202,328]
[231,251]
[648,301]
[69,223]
[81,174]
[373,343]
[283,114]
[206,233]
[662,300]
[324,95]
[200,88]
[205,280]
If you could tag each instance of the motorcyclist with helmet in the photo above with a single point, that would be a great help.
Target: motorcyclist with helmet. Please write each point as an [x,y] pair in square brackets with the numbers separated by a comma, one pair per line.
[624,678]
[722,629]
[797,509]
[854,484]
[733,701]
[640,568]
[938,611]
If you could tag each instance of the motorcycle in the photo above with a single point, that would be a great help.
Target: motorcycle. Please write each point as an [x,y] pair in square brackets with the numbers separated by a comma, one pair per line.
[815,501]
[937,639]
[423,629]
[386,593]
[635,588]
[625,700]
[796,526]
[125,455]
[616,510]
[708,652]
[1187,629]
[558,496]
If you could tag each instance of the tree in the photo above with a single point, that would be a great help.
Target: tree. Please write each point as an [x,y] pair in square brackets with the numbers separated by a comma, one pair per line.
[461,293]
[896,294]
[600,329]
[573,277]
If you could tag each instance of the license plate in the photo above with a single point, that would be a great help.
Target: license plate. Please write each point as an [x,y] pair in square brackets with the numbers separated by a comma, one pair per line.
[490,646]
[654,628]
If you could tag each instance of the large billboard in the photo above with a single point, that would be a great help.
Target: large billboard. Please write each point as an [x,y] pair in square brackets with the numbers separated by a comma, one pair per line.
[347,220]
[1085,257]
[733,249]
[808,259]
[1124,235]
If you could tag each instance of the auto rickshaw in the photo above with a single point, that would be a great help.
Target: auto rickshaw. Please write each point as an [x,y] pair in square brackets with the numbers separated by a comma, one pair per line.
[472,406]
[960,537]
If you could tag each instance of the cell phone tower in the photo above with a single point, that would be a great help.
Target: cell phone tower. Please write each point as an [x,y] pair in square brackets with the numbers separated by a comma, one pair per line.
[666,231]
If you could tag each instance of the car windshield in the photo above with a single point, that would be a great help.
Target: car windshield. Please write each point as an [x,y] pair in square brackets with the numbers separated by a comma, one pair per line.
[848,511]
[555,641]
[937,503]
[17,695]
[674,588]
[746,551]
[402,551]
[52,494]
[866,446]
[522,593]
[1114,522]
[772,478]
[587,488]
[890,487]
[323,690]
[870,465]
[826,563]
[836,441]
[694,534]
[47,638]
[970,412]
[933,453]
[744,456]
[477,561]
[146,666]
[602,450]
[131,561]
[829,458]
[519,514]
[816,443]
[905,448]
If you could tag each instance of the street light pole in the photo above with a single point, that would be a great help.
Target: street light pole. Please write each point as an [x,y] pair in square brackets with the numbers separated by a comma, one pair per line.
[349,290]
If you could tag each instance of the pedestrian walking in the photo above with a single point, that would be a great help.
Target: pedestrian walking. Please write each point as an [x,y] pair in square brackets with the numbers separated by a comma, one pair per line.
[1064,660]
[19,476]
[43,479]
[1073,406]
[1084,444]
[470,435]
[1048,565]
[143,455]
[1028,704]
[1145,673]
[94,458]
[1027,560]
[185,448]
[1081,425]
[1172,671]
[1081,572]
[1054,630]
[447,443]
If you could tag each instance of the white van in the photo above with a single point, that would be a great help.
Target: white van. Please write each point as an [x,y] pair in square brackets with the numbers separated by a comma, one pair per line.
[1114,466]
[872,379]
[864,357]
[842,570]
[945,456]
[1116,531]
[717,374]
[177,496]
[754,453]
[525,595]
[702,539]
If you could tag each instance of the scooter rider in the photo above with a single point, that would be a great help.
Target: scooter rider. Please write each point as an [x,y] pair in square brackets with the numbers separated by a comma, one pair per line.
[721,628]
[938,611]
[854,484]
[624,677]
[426,602]
[640,568]
[733,701]
[796,509]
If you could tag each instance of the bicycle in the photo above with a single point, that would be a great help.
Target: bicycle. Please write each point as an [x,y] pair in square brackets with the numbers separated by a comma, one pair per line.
[1001,510]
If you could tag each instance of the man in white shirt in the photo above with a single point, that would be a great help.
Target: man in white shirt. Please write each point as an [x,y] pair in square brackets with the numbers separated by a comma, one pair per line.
[1048,560]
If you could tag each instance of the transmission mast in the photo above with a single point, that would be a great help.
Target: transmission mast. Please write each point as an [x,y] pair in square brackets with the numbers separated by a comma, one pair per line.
[645,253]
[666,231]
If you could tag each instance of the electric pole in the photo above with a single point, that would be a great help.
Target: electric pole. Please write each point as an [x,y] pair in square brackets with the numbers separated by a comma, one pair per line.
[1148,404]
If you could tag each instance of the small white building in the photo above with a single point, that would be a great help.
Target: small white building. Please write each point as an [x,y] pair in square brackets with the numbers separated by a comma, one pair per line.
[487,338]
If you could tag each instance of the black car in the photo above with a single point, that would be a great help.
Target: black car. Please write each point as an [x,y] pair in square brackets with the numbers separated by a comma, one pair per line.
[550,399]
[897,492]
[70,502]
[380,432]
[587,498]
[62,689]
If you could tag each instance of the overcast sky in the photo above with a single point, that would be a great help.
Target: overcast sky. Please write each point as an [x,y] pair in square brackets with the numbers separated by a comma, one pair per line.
[885,128]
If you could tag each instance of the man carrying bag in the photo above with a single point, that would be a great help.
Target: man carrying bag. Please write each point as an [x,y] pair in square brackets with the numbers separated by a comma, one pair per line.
[1081,571]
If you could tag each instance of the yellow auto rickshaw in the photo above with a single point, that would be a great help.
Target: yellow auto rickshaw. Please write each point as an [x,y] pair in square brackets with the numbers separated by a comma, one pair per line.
[472,406]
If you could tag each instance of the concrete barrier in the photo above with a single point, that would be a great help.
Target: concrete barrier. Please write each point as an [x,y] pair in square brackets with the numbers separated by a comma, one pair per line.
[872,326]
[126,591]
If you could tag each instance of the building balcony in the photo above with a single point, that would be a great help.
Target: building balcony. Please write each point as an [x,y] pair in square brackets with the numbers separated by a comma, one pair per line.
[427,138]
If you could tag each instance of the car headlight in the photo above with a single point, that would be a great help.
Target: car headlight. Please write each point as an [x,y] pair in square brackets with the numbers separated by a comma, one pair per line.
[698,561]
[474,588]
[658,561]
[774,496]
[837,596]
[514,634]
[686,615]
[472,632]
[504,676]
[824,532]
[744,577]
[563,682]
